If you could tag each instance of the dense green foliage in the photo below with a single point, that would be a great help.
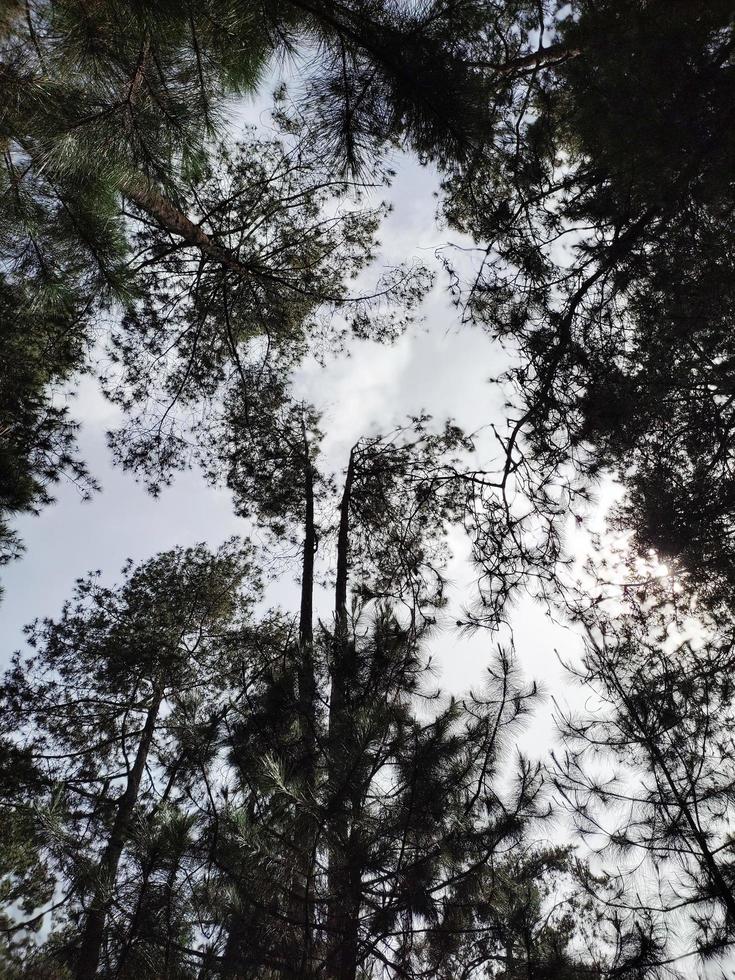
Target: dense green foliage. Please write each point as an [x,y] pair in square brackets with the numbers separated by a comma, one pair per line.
[603,212]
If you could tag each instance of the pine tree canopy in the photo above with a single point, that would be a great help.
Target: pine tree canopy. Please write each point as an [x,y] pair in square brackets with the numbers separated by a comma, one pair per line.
[602,216]
[239,760]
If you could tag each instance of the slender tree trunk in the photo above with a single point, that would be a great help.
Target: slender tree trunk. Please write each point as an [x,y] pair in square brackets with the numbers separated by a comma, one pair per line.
[343,905]
[94,926]
[343,548]
[231,960]
[510,960]
[301,903]
[351,900]
[147,870]
[306,616]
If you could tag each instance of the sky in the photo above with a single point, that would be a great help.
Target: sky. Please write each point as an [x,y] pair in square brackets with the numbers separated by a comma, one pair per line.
[440,365]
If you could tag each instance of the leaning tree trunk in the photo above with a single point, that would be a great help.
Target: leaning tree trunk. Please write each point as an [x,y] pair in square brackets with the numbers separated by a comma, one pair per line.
[146,872]
[96,920]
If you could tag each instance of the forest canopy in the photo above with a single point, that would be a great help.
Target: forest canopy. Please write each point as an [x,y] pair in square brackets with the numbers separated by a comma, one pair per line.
[204,778]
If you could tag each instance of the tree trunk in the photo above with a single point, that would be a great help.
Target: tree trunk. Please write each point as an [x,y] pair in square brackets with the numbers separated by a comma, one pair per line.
[232,966]
[555,54]
[147,870]
[94,926]
[168,216]
[306,630]
[343,547]
[343,903]
[351,901]
[301,910]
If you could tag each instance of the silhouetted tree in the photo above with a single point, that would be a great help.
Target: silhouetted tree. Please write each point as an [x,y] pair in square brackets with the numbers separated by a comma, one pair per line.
[648,768]
[602,216]
[109,118]
[91,710]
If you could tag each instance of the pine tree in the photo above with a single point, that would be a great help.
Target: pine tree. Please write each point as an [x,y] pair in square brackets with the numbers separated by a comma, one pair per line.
[355,811]
[522,917]
[198,792]
[25,881]
[91,708]
[187,362]
[648,769]
[602,214]
[112,110]
[295,796]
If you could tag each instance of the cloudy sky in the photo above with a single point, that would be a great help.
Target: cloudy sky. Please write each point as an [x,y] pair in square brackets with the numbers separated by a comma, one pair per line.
[440,365]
